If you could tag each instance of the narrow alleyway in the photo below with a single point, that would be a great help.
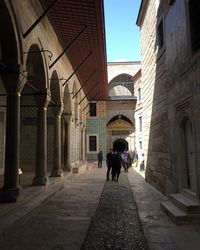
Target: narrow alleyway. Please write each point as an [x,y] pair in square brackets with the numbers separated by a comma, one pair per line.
[62,222]
[90,213]
[116,222]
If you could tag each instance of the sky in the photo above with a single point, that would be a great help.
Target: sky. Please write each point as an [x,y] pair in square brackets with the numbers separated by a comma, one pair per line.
[122,33]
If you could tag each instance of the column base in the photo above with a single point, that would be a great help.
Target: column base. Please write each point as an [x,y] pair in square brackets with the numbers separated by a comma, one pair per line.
[56,173]
[68,167]
[40,181]
[9,195]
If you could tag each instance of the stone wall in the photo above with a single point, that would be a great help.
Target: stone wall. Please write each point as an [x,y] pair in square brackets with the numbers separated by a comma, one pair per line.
[154,102]
[97,125]
[170,79]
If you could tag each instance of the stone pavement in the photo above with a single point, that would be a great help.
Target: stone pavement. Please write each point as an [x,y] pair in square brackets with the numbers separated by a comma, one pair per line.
[116,222]
[62,221]
[161,233]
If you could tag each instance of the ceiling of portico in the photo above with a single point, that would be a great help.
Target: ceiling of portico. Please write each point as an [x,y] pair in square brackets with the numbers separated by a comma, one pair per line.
[68,18]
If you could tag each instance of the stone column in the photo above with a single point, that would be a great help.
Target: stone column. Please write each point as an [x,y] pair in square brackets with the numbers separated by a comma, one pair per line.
[10,189]
[57,171]
[41,178]
[67,165]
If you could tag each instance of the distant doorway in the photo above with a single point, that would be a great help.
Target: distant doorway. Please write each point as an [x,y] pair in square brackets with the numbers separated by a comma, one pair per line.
[120,145]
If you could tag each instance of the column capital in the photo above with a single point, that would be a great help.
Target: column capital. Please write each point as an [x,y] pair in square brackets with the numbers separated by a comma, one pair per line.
[57,109]
[43,99]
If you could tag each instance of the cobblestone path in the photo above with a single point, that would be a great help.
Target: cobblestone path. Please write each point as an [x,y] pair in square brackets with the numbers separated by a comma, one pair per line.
[116,223]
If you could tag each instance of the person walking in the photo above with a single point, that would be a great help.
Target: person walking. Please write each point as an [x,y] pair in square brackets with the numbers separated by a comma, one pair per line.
[109,164]
[117,163]
[142,163]
[100,159]
[124,161]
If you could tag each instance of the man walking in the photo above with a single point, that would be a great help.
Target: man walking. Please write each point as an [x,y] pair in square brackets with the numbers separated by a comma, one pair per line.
[109,164]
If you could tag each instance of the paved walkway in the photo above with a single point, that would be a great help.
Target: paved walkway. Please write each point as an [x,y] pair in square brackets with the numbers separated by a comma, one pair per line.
[116,223]
[62,221]
[161,233]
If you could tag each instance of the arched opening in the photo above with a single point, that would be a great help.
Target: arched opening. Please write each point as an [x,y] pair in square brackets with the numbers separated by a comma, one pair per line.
[120,145]
[121,85]
[120,119]
[8,59]
[9,82]
[8,42]
[121,127]
[54,111]
[33,95]
[187,156]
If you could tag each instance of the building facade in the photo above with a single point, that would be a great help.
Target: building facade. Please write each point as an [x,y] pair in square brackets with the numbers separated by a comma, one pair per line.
[170,80]
[112,125]
[49,73]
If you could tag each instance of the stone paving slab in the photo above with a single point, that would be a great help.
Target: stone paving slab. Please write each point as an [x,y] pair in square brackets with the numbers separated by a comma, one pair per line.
[161,233]
[116,222]
[62,221]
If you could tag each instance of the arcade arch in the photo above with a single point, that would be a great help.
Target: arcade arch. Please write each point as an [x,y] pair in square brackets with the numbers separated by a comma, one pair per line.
[34,105]
[9,65]
[121,85]
[120,133]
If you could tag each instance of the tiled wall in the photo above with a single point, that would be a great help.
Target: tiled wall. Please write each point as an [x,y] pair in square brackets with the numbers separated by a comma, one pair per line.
[96,125]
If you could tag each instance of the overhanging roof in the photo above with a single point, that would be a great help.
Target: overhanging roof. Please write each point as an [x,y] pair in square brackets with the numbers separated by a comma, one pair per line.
[141,12]
[68,18]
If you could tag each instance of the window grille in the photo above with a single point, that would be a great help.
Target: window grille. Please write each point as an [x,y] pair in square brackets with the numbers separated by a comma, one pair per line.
[121,85]
[140,123]
[139,94]
[92,143]
[140,142]
[93,109]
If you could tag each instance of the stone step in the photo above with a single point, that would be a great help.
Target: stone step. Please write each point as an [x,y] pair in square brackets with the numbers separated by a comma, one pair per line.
[176,214]
[190,194]
[188,205]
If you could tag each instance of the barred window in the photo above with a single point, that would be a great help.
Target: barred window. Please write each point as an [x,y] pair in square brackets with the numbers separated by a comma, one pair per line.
[194,15]
[92,143]
[93,109]
[140,123]
[139,94]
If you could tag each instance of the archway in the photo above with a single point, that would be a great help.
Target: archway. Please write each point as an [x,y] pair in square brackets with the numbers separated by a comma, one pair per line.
[10,83]
[187,156]
[120,145]
[54,127]
[34,117]
[121,85]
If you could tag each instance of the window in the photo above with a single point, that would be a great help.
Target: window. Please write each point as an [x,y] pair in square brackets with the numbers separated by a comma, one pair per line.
[160,35]
[194,10]
[93,109]
[140,123]
[139,94]
[92,143]
[140,142]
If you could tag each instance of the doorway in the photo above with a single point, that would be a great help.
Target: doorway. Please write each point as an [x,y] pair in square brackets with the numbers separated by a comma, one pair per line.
[187,155]
[120,145]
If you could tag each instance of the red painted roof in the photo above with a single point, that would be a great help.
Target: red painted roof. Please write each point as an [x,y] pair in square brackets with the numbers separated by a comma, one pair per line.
[68,18]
